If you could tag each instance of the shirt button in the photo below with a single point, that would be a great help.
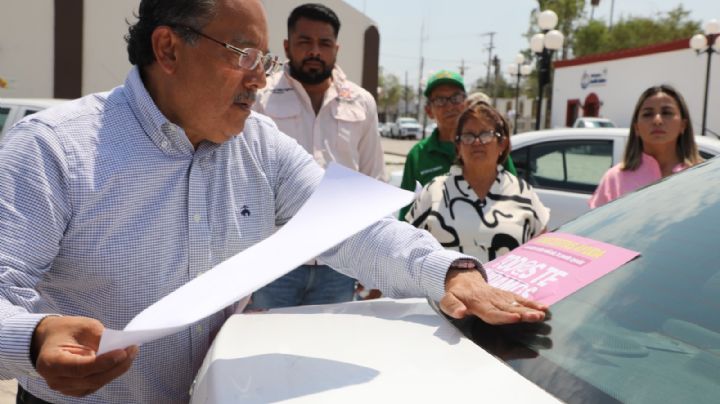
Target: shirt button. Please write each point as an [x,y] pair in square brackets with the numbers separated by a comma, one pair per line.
[164,144]
[198,328]
[196,217]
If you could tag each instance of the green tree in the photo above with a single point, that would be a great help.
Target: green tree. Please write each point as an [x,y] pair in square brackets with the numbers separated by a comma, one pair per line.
[391,91]
[595,37]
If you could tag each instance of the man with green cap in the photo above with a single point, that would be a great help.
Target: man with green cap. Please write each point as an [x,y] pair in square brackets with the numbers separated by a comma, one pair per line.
[433,156]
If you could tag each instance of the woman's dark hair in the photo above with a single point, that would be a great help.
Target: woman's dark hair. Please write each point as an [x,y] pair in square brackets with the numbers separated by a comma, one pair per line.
[478,110]
[686,149]
[314,12]
[174,13]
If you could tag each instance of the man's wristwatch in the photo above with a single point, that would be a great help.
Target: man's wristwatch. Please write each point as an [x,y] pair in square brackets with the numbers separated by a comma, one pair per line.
[465,264]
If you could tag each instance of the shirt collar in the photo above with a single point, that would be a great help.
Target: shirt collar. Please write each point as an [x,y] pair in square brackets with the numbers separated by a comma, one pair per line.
[167,136]
[435,144]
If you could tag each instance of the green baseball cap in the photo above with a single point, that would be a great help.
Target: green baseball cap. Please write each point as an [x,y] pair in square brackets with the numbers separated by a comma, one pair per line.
[444,77]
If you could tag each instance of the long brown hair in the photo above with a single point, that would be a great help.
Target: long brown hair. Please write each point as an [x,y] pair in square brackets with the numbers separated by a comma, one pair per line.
[685,148]
[480,109]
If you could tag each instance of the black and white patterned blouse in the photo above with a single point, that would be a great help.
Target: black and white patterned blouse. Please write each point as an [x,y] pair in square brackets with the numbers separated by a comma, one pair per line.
[508,216]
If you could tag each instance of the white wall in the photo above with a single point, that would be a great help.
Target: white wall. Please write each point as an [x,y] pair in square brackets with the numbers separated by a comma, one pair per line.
[105,61]
[27,48]
[628,78]
[353,24]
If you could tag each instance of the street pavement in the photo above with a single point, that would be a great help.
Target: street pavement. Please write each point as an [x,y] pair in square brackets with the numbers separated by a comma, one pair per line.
[8,390]
[395,152]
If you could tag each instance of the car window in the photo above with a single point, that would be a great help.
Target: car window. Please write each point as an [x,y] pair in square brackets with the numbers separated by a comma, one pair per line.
[648,332]
[30,111]
[573,166]
[4,112]
[705,155]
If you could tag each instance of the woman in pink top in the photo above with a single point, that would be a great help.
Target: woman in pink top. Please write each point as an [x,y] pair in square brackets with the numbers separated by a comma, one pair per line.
[661,143]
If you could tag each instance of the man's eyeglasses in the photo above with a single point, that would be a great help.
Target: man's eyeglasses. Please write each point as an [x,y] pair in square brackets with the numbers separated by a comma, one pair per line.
[454,99]
[248,58]
[483,137]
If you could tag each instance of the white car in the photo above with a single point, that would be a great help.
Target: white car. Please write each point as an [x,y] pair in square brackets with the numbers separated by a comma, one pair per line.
[645,333]
[565,165]
[406,128]
[588,122]
[15,109]
[385,351]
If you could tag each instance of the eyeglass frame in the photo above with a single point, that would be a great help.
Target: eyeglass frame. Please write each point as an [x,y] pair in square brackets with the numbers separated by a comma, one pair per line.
[443,101]
[244,52]
[478,137]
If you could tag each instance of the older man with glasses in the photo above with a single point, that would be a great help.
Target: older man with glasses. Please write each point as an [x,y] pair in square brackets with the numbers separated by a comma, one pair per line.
[433,156]
[113,201]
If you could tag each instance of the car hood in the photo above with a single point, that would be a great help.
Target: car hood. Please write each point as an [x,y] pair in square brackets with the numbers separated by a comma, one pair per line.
[396,350]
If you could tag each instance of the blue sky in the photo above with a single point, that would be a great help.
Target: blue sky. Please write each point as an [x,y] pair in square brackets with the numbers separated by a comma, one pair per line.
[453,29]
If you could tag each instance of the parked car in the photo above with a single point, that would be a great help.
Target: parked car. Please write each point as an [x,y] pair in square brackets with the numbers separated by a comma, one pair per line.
[384,129]
[406,128]
[15,109]
[430,128]
[647,332]
[588,122]
[565,165]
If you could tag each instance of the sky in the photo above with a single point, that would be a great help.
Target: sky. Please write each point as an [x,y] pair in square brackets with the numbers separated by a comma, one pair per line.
[453,30]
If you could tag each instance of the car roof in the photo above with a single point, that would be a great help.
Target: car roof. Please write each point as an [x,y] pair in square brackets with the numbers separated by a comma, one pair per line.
[704,142]
[32,102]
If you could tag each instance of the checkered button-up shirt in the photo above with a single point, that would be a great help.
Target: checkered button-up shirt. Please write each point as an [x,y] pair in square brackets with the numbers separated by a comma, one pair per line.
[106,207]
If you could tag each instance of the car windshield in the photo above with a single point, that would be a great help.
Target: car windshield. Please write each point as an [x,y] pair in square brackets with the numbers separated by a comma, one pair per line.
[407,120]
[601,124]
[648,332]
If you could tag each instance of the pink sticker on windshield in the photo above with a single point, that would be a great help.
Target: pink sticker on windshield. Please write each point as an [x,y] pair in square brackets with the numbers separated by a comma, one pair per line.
[554,265]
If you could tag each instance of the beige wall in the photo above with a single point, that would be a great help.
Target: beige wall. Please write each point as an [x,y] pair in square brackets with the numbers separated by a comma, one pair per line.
[105,62]
[27,43]
[27,48]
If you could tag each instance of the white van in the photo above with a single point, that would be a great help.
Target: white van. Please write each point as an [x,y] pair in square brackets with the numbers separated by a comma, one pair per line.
[15,109]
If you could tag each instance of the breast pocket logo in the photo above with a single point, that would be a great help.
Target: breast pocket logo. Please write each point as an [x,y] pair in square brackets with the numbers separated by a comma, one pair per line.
[245,212]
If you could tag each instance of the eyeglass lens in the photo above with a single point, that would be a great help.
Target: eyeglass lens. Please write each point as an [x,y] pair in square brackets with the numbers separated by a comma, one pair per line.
[454,99]
[484,137]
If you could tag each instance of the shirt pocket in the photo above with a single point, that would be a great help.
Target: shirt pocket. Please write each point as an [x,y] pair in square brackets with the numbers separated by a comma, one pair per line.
[285,112]
[350,118]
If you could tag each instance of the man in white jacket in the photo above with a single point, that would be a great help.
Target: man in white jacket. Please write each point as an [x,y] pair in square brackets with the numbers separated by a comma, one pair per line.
[334,119]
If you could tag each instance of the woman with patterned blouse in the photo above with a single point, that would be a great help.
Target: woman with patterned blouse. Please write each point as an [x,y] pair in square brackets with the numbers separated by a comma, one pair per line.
[479,208]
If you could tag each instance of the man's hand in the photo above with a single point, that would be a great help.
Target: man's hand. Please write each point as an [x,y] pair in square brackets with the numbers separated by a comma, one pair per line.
[65,351]
[467,293]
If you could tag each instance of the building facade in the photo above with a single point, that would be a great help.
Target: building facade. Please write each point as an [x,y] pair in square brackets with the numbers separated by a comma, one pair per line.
[70,48]
[608,85]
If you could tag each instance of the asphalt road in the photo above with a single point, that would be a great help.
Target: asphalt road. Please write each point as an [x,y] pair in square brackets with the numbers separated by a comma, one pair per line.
[8,389]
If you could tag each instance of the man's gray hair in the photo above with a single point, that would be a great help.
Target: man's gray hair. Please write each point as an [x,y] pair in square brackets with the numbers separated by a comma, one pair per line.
[173,13]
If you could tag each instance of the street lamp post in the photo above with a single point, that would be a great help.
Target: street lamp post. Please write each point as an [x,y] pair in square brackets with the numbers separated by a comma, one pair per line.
[518,70]
[544,45]
[709,43]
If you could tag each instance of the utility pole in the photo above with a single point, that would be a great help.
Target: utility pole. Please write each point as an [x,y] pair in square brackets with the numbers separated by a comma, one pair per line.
[422,62]
[496,65]
[462,67]
[612,10]
[407,100]
[489,48]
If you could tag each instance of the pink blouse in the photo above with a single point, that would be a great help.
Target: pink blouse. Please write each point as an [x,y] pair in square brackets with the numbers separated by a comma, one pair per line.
[617,182]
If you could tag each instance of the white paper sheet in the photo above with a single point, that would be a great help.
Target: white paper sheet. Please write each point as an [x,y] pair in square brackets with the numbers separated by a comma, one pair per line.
[344,203]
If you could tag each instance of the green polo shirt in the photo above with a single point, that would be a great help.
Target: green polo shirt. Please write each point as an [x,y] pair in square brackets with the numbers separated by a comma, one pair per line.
[429,158]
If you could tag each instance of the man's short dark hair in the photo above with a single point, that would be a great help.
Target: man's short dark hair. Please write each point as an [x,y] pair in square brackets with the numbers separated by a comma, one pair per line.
[314,12]
[174,13]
